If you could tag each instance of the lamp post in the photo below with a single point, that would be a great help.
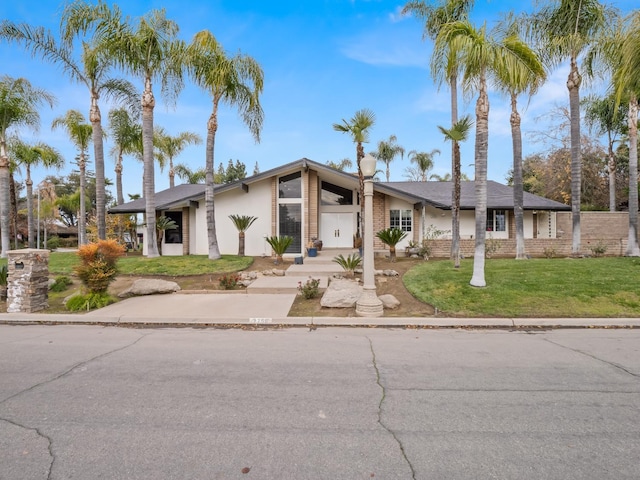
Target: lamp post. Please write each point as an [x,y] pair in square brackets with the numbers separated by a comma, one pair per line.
[368,305]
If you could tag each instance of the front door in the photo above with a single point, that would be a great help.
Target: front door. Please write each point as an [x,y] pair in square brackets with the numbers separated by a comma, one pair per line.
[336,230]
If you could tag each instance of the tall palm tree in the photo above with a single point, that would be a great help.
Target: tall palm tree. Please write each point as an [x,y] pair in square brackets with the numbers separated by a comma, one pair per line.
[627,84]
[235,80]
[169,147]
[19,105]
[80,133]
[483,56]
[358,129]
[445,66]
[189,175]
[516,78]
[605,116]
[423,163]
[387,151]
[150,51]
[125,133]
[565,30]
[90,67]
[456,134]
[30,156]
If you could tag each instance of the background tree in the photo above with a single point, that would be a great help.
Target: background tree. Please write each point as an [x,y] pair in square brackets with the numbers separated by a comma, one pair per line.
[341,166]
[564,30]
[80,133]
[358,129]
[19,105]
[256,169]
[457,133]
[423,162]
[169,147]
[189,175]
[237,81]
[126,134]
[29,156]
[387,151]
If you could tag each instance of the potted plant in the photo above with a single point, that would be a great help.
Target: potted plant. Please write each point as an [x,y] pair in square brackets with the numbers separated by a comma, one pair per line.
[279,246]
[312,250]
[412,249]
[317,243]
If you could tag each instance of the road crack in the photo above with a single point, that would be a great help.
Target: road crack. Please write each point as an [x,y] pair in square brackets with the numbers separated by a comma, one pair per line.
[590,355]
[41,435]
[380,404]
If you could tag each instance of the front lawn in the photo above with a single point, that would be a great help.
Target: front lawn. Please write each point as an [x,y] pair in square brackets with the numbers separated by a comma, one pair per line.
[588,287]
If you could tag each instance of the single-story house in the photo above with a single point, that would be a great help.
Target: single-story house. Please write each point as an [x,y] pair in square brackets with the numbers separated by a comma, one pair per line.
[308,200]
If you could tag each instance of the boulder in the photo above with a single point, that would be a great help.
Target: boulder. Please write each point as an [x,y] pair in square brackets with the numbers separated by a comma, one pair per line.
[149,286]
[390,273]
[278,272]
[341,294]
[248,275]
[389,301]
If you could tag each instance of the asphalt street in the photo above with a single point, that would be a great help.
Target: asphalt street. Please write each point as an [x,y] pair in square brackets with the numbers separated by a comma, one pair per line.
[89,402]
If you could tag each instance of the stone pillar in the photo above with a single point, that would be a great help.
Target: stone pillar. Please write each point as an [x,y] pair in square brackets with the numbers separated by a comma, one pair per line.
[28,282]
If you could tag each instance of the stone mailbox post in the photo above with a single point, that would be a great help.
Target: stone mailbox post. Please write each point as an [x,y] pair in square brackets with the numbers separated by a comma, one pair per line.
[28,280]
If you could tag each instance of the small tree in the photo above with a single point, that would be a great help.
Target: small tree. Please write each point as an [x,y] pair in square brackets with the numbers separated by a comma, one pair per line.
[391,236]
[279,245]
[242,223]
[98,264]
[164,223]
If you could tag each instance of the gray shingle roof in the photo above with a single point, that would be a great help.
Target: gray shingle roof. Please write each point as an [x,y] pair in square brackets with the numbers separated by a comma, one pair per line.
[171,197]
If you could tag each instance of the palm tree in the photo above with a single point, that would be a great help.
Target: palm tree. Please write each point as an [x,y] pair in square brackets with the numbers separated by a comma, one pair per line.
[604,116]
[90,68]
[523,76]
[19,105]
[125,134]
[565,29]
[482,56]
[627,84]
[387,151]
[456,134]
[242,223]
[162,225]
[80,133]
[391,237]
[31,156]
[237,81]
[423,162]
[189,175]
[169,147]
[358,128]
[149,51]
[342,165]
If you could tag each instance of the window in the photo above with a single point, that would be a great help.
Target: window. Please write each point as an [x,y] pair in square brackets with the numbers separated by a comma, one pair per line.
[496,221]
[290,186]
[290,223]
[174,235]
[335,195]
[401,219]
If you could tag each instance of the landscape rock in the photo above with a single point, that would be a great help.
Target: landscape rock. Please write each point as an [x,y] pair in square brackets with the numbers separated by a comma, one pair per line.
[267,273]
[378,272]
[248,275]
[341,294]
[278,273]
[149,286]
[245,283]
[390,273]
[389,301]
[50,283]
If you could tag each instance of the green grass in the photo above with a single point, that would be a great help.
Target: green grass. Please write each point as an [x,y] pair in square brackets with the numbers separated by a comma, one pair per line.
[62,263]
[589,287]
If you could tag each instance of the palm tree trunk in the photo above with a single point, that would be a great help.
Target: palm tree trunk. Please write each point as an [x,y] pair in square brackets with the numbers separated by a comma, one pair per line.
[611,166]
[573,84]
[172,173]
[82,216]
[118,170]
[359,157]
[455,173]
[632,244]
[4,199]
[31,230]
[482,145]
[148,103]
[518,187]
[14,209]
[98,151]
[241,244]
[212,127]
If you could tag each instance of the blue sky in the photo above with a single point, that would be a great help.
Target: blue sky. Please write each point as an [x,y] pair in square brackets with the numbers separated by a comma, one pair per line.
[323,60]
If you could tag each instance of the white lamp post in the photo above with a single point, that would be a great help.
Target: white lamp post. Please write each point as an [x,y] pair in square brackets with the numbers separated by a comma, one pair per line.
[368,305]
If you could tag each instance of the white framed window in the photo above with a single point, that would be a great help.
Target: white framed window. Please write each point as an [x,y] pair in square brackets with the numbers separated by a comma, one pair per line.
[496,220]
[402,219]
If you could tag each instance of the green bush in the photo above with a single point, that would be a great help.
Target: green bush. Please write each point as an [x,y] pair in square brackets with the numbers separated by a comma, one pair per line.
[89,301]
[61,284]
[309,289]
[53,243]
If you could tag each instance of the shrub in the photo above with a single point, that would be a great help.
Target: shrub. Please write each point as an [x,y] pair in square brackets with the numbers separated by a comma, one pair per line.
[391,237]
[599,249]
[349,264]
[549,252]
[89,301]
[431,233]
[4,275]
[279,245]
[229,281]
[53,243]
[98,267]
[61,284]
[309,289]
[491,246]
